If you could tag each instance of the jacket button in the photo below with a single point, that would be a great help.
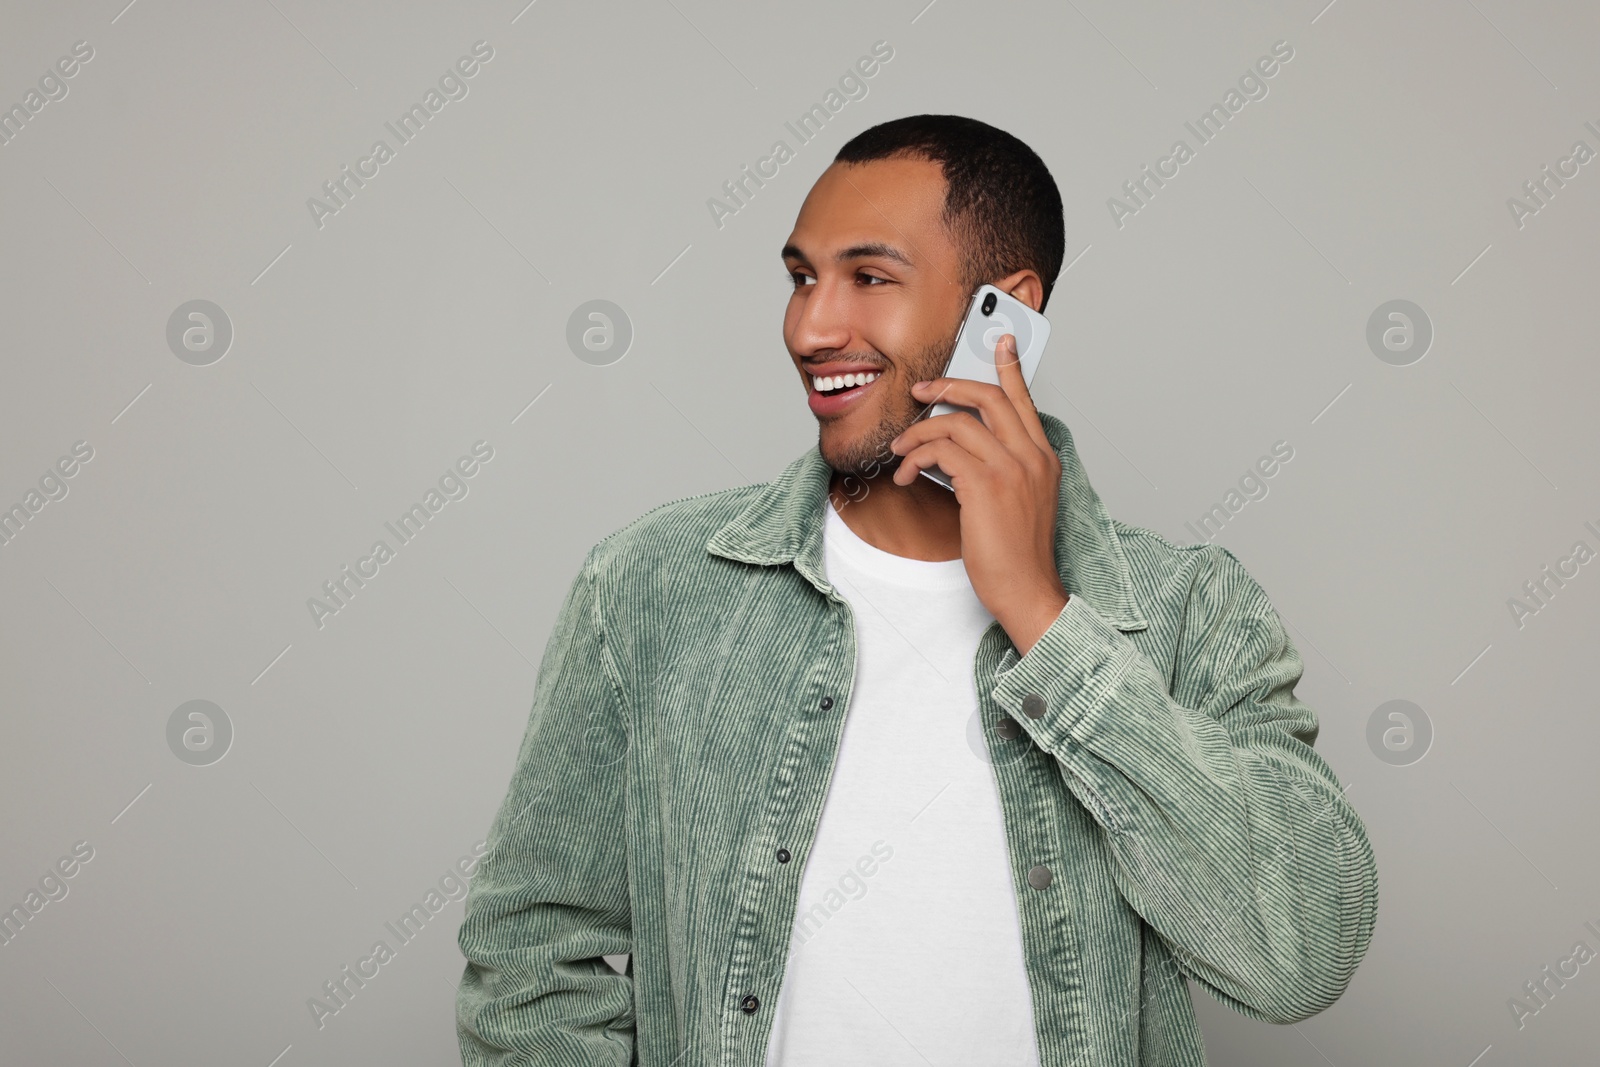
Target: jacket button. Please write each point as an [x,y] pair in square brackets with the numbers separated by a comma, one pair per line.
[826,703]
[1033,706]
[1008,727]
[749,1004]
[783,855]
[1039,877]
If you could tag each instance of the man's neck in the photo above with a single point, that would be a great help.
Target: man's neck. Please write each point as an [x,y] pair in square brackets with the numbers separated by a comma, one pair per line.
[919,521]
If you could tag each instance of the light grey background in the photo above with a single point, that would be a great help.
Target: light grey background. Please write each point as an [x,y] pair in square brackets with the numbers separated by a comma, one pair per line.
[1228,314]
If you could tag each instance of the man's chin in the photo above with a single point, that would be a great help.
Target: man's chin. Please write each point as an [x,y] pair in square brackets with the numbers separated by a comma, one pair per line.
[864,455]
[866,468]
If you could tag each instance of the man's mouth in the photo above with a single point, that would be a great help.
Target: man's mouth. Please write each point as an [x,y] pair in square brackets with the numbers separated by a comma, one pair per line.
[832,393]
[841,383]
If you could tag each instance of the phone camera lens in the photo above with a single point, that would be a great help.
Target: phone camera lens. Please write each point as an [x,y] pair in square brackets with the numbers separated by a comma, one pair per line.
[988,303]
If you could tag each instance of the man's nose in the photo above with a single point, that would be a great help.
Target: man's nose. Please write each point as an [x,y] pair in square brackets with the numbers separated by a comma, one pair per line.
[824,321]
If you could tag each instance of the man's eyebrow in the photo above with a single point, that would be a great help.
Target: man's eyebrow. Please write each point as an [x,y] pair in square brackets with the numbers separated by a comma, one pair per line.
[861,251]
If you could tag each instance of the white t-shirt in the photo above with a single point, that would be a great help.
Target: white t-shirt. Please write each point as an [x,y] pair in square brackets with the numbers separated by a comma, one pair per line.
[907,948]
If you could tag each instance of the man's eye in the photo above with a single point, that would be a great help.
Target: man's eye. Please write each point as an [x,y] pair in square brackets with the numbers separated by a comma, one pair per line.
[799,279]
[872,278]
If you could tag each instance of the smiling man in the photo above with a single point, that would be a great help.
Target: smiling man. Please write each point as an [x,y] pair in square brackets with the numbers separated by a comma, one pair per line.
[862,770]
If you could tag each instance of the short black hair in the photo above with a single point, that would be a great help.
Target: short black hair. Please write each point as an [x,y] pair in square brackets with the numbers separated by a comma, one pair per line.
[1000,203]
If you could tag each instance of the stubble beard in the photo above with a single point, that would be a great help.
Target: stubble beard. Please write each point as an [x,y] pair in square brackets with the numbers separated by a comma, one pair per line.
[868,455]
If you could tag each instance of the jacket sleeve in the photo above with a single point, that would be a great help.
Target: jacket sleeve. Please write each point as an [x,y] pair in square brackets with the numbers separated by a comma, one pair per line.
[1232,838]
[551,896]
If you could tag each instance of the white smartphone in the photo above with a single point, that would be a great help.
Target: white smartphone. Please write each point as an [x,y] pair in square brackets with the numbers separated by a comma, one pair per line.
[993,314]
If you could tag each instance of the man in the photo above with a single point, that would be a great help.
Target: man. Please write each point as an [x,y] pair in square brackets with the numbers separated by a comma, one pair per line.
[863,771]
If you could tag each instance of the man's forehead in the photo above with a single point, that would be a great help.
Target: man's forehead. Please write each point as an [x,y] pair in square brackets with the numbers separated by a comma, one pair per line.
[889,207]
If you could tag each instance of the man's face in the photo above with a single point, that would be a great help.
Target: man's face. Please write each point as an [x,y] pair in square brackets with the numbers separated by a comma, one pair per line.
[877,291]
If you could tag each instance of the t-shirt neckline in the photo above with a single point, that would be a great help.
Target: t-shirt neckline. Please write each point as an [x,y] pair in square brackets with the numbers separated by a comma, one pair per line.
[886,566]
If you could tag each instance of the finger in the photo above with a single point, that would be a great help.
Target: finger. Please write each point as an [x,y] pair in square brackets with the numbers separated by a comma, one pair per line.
[958,426]
[998,410]
[1009,365]
[943,453]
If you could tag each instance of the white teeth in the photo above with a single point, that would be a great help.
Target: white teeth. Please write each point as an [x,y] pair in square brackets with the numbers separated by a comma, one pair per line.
[843,381]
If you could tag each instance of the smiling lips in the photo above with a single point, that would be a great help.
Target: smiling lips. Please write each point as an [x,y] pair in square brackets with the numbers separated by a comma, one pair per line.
[837,382]
[831,393]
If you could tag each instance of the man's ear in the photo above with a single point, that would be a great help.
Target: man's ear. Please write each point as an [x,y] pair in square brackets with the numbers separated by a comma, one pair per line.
[1025,286]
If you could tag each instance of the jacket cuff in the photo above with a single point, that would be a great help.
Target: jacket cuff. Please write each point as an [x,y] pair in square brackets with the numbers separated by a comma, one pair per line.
[1065,677]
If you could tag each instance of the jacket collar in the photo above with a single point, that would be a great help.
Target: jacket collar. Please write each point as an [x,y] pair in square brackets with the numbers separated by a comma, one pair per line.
[783,524]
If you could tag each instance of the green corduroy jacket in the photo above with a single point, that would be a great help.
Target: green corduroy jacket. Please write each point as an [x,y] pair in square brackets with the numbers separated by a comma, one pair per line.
[1166,816]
